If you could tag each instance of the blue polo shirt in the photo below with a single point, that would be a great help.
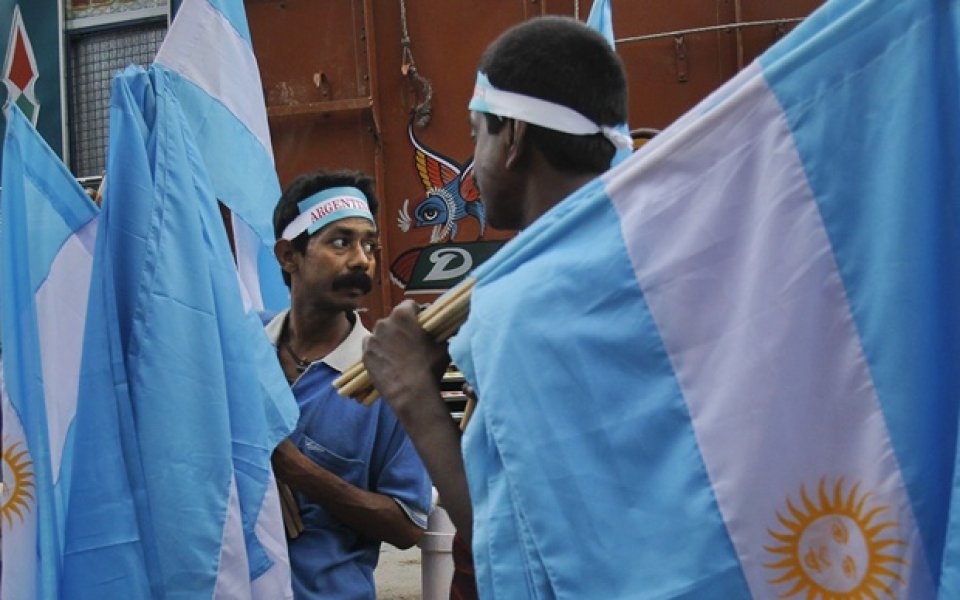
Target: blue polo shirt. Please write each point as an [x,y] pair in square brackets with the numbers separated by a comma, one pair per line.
[365,446]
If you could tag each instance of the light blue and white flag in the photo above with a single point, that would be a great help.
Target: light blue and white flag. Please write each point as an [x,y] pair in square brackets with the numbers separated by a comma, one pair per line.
[48,230]
[729,367]
[601,20]
[217,81]
[207,402]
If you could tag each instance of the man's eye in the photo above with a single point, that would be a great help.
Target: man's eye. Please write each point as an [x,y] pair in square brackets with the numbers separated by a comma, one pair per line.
[340,243]
[370,247]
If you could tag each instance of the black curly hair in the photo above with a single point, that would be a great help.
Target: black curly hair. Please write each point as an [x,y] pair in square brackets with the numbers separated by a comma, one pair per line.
[561,60]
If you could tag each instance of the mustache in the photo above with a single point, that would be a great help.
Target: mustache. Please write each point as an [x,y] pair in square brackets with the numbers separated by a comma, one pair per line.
[354,280]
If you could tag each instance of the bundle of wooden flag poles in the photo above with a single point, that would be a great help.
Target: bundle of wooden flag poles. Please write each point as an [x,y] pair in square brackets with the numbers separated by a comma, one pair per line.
[441,320]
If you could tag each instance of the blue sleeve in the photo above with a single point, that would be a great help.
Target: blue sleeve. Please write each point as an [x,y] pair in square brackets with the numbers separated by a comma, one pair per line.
[397,470]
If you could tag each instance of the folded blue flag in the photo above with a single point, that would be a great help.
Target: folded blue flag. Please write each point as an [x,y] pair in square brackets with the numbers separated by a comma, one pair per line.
[204,402]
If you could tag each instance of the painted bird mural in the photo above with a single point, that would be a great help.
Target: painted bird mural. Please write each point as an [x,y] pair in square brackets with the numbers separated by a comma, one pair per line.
[452,195]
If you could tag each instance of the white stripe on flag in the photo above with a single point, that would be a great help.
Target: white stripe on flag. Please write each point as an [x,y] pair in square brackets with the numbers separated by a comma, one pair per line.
[204,47]
[19,517]
[61,317]
[275,583]
[248,272]
[745,291]
[233,573]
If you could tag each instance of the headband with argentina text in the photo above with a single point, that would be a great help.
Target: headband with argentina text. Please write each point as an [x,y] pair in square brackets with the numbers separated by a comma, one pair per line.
[544,113]
[325,207]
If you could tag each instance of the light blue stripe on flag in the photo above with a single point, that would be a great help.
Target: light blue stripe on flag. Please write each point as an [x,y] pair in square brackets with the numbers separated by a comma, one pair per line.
[48,225]
[110,549]
[234,12]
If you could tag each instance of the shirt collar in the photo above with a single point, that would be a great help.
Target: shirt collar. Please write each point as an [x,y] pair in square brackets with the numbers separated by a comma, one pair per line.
[340,358]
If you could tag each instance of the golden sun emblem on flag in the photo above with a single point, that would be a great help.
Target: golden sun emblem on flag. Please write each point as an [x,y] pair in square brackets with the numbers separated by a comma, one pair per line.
[17,483]
[836,547]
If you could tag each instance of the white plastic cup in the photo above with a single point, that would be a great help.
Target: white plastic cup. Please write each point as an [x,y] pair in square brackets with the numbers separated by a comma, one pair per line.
[436,553]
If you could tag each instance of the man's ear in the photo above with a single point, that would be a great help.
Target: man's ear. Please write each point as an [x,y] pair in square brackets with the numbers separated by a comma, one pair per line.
[516,143]
[286,255]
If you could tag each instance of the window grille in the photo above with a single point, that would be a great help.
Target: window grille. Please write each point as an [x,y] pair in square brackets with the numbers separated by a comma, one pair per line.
[94,58]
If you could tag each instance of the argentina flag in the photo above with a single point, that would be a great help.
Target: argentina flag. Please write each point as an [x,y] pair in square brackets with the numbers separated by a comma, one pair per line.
[48,231]
[190,393]
[214,75]
[730,367]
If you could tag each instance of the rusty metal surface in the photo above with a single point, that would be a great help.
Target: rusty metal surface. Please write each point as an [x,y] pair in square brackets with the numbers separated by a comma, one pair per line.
[755,41]
[314,67]
[339,95]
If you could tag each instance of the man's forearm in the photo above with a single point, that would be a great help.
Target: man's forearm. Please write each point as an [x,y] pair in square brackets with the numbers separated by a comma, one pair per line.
[405,364]
[373,515]
[424,417]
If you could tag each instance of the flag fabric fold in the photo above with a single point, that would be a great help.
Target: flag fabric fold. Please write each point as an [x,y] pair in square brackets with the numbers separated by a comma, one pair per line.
[161,484]
[601,20]
[216,79]
[754,392]
[213,73]
[206,402]
[48,230]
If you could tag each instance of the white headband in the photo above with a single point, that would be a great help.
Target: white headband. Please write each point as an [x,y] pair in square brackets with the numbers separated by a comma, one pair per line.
[325,207]
[544,113]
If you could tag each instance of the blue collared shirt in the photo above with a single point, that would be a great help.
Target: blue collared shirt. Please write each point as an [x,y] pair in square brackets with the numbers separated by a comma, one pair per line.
[366,447]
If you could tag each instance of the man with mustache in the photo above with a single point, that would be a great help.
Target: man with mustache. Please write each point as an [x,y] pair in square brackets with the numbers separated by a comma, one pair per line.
[355,477]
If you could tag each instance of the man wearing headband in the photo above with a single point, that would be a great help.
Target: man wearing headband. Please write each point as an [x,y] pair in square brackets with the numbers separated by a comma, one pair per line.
[548,97]
[355,477]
